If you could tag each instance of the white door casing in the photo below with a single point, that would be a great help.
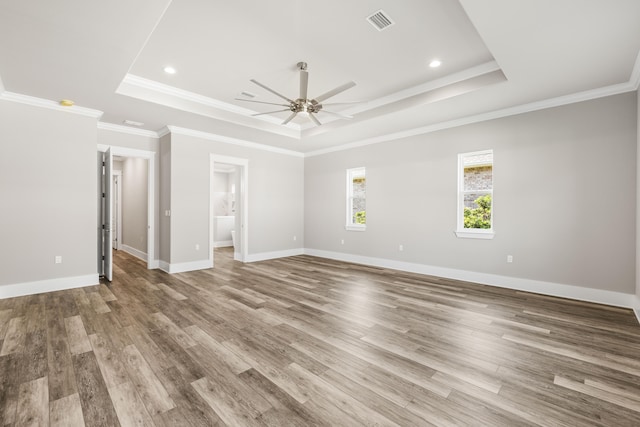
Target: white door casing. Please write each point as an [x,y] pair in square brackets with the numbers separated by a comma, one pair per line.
[108,214]
[117,210]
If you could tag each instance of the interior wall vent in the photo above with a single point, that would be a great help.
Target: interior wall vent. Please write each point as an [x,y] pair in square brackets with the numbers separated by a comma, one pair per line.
[380,20]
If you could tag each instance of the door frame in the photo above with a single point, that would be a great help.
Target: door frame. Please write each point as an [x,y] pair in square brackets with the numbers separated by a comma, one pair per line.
[117,187]
[151,156]
[242,169]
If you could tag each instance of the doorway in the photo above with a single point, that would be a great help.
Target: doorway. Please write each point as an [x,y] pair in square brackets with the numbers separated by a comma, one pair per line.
[228,210]
[112,223]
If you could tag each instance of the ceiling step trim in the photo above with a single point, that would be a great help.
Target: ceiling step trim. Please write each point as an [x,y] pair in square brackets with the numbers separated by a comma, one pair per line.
[461,76]
[137,82]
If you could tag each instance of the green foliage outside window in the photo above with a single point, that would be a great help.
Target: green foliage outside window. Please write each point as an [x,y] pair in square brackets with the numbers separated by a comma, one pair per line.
[361,217]
[479,217]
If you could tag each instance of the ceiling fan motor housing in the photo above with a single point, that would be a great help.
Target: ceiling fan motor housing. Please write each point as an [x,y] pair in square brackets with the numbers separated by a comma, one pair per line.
[305,106]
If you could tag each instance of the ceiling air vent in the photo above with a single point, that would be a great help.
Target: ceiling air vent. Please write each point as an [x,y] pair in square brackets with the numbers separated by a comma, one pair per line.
[380,20]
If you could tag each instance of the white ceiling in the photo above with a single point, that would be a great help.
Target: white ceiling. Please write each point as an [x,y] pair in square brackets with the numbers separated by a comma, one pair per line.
[497,55]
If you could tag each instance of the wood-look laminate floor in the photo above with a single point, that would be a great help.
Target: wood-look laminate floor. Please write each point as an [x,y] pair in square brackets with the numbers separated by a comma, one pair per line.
[307,341]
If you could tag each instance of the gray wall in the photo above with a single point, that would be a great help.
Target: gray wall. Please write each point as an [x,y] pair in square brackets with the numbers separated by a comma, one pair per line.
[564,197]
[164,223]
[48,182]
[638,205]
[135,203]
[275,197]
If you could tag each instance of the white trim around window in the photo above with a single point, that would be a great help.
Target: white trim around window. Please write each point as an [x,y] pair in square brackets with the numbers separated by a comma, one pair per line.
[477,159]
[353,174]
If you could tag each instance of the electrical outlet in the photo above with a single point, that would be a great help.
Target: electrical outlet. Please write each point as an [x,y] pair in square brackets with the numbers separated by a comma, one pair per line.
[295,238]
[401,248]
[58,259]
[342,242]
[197,247]
[509,258]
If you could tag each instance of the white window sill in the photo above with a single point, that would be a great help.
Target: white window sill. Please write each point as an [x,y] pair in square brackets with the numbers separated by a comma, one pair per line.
[355,227]
[468,233]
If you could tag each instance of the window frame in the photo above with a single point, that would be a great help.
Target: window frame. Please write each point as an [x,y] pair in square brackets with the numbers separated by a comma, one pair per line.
[473,233]
[352,173]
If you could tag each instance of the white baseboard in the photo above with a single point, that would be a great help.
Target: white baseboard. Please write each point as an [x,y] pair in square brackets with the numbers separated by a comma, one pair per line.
[272,255]
[600,296]
[51,285]
[164,266]
[223,244]
[184,266]
[135,252]
[154,264]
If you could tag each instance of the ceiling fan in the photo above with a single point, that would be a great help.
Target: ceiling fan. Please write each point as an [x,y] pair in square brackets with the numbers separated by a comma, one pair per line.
[302,104]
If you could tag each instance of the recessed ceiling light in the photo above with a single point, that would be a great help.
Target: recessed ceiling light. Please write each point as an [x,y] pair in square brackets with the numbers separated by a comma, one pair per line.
[66,103]
[435,63]
[132,123]
[169,69]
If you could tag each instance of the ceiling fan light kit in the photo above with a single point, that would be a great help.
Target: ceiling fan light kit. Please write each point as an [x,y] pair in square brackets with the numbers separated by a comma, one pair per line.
[302,104]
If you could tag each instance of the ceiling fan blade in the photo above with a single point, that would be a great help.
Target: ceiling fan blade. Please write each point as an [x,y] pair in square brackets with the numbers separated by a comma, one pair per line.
[304,83]
[270,90]
[271,112]
[314,119]
[342,116]
[334,92]
[290,118]
[343,103]
[260,102]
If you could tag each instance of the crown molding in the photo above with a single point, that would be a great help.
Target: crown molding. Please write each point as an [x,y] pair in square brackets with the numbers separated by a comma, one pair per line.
[492,115]
[128,130]
[228,140]
[51,105]
[635,74]
[164,131]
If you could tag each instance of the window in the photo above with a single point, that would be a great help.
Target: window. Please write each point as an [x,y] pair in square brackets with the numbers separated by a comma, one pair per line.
[475,195]
[356,199]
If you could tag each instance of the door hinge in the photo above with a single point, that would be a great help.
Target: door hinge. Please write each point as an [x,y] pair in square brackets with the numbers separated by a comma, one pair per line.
[103,257]
[103,195]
